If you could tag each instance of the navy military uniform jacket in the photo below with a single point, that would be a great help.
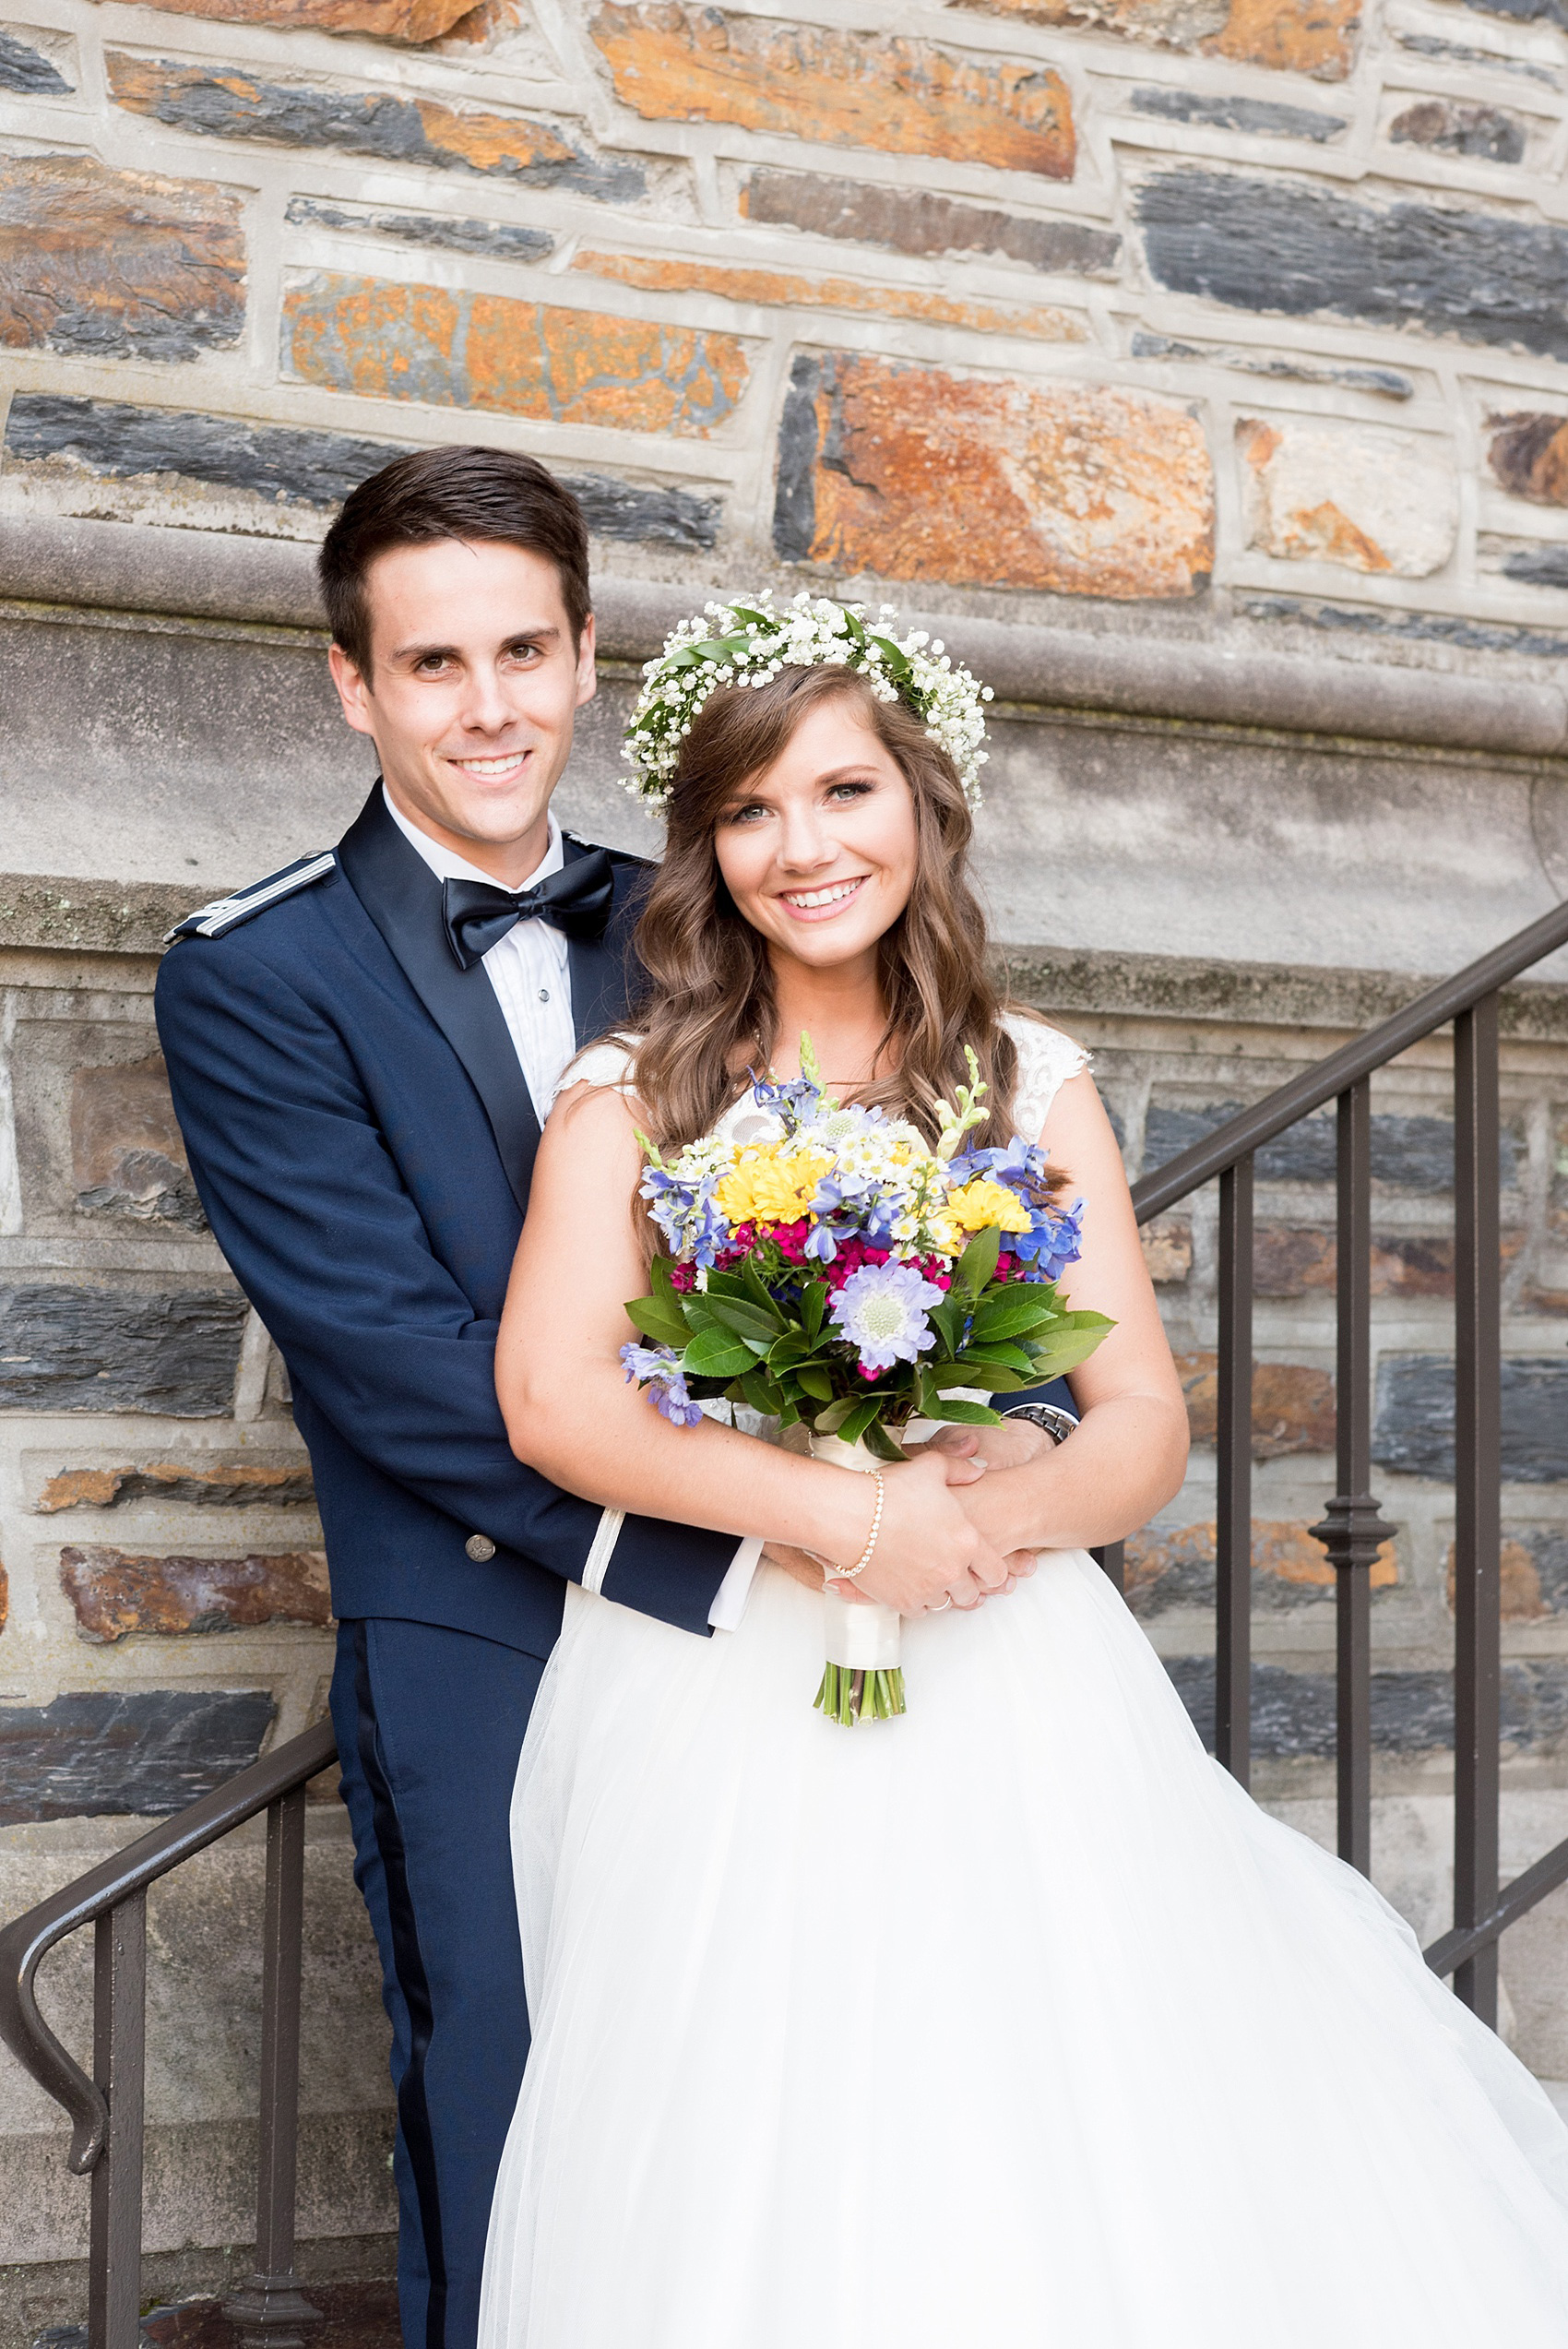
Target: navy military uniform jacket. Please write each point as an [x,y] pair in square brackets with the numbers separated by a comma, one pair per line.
[362,1136]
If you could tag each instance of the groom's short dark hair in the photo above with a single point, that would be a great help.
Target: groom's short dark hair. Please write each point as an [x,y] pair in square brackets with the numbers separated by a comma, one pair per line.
[469,493]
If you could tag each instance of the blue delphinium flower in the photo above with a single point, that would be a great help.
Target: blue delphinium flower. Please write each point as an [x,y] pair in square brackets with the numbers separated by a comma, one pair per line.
[881,1310]
[1054,1239]
[793,1102]
[659,1369]
[693,1225]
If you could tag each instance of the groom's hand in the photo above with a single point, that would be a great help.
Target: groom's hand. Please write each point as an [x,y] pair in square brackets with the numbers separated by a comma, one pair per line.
[1013,1445]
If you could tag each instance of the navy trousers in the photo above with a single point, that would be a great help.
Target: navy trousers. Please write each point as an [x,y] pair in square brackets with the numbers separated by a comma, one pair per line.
[430,1725]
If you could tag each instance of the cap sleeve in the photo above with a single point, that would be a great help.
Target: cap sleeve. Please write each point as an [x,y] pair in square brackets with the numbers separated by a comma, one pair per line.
[610,1066]
[1046,1060]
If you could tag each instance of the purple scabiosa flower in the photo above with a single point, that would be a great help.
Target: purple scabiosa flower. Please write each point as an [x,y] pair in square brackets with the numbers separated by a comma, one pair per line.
[881,1310]
[658,1369]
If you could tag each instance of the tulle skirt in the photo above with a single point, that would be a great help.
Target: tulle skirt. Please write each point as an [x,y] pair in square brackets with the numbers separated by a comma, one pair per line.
[1014,2022]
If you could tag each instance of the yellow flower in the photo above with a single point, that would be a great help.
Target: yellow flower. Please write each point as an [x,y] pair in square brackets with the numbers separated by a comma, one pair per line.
[764,1187]
[981,1203]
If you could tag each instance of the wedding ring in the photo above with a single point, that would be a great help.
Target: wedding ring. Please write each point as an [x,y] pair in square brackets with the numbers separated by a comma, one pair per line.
[942,1608]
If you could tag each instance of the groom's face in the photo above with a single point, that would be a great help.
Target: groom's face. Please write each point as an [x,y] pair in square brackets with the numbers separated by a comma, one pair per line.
[471,690]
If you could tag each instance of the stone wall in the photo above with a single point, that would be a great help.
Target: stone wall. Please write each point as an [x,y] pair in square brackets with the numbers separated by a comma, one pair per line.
[1195,366]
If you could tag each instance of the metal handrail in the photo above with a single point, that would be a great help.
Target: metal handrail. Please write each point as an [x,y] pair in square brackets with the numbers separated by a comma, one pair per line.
[28,1939]
[1327,1078]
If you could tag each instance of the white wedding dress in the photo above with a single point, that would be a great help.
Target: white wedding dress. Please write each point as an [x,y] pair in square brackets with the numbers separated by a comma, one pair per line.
[1011,2024]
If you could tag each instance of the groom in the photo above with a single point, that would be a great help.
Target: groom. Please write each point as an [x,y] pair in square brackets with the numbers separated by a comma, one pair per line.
[361,1050]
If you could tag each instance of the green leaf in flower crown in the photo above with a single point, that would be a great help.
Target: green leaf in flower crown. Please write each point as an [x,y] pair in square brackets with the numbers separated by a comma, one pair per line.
[977,1263]
[717,1354]
[661,1322]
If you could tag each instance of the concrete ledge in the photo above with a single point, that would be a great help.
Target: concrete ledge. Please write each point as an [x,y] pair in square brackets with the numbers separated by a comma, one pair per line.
[204,574]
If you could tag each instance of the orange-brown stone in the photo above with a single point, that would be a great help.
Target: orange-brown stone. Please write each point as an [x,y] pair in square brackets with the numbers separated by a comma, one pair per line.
[117,264]
[403,21]
[114,1593]
[1292,1405]
[1284,1553]
[487,351]
[913,473]
[780,289]
[685,63]
[1523,1601]
[1528,454]
[1168,1249]
[1293,1261]
[224,1484]
[1315,37]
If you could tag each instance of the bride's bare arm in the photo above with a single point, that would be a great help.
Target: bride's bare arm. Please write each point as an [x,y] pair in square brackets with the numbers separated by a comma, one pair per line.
[571,1414]
[1127,1458]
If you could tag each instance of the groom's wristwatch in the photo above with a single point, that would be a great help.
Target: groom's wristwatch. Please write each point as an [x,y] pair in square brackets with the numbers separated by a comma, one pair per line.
[1058,1425]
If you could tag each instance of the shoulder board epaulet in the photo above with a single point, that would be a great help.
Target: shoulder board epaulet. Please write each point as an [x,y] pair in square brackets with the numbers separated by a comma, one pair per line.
[226,913]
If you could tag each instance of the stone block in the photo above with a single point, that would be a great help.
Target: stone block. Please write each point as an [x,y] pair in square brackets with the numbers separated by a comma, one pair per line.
[778,289]
[5,1598]
[1293,1404]
[176,284]
[1414,1153]
[399,20]
[907,220]
[1295,1260]
[67,1349]
[1414,1427]
[1314,37]
[1542,567]
[1449,126]
[1412,1712]
[29,63]
[116,1593]
[208,1482]
[228,103]
[1349,493]
[127,1154]
[1166,1569]
[492,239]
[915,474]
[1281,366]
[102,439]
[1253,117]
[1527,452]
[1265,244]
[463,349]
[144,1752]
[1168,1249]
[1535,1574]
[672,61]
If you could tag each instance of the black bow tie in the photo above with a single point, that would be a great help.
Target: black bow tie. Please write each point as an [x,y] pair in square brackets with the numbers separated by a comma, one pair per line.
[576,901]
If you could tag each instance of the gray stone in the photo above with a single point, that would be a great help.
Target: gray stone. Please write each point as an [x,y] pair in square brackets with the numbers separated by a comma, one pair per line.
[1490,134]
[29,71]
[1417,1153]
[1271,245]
[906,220]
[1432,628]
[64,1348]
[1426,44]
[1412,1712]
[794,500]
[1414,1429]
[307,469]
[1544,566]
[394,130]
[144,1752]
[1550,12]
[1548,1554]
[1246,114]
[1387,382]
[494,240]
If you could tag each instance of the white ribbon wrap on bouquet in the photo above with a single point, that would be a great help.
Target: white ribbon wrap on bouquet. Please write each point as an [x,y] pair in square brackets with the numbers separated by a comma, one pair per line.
[860,1636]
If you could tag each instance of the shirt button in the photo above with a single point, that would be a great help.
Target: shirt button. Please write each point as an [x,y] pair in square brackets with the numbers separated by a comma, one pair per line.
[544,995]
[480,1547]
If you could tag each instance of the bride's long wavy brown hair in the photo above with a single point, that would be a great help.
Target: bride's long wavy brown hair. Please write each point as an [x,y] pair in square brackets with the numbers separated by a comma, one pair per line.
[707,1011]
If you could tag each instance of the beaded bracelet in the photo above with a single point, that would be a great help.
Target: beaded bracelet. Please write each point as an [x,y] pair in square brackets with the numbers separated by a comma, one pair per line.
[852,1573]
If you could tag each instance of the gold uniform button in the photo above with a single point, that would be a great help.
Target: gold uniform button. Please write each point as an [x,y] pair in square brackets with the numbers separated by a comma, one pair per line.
[480,1546]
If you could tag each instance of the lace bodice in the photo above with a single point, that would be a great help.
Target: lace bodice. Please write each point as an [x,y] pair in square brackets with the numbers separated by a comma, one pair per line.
[1046,1060]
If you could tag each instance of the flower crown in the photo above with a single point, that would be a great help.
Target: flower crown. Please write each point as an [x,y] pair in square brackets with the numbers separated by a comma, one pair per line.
[749,643]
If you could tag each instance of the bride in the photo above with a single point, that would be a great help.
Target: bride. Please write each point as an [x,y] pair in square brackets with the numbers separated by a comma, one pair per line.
[1011,2022]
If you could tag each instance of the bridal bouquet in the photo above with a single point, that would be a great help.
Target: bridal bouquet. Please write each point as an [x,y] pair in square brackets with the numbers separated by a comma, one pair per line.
[847,1277]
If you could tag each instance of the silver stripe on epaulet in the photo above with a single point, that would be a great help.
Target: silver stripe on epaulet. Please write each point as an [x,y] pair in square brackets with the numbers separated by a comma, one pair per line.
[210,921]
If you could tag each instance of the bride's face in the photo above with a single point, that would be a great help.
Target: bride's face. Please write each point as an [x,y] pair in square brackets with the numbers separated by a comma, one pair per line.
[819,851]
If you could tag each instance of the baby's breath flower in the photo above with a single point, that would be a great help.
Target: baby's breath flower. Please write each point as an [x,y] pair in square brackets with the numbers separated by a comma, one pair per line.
[749,643]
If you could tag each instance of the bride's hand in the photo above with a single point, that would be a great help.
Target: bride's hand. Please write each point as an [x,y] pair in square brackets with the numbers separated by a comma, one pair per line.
[928,1551]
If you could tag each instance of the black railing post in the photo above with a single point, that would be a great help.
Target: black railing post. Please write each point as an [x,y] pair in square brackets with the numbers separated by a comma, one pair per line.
[1233,1531]
[1477,1468]
[1352,1531]
[119,2053]
[271,2309]
[1111,1559]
